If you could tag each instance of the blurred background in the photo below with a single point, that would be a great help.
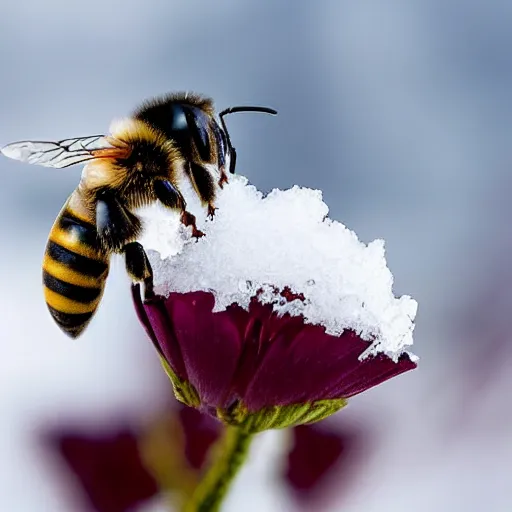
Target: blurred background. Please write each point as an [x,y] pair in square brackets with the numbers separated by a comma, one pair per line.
[399,111]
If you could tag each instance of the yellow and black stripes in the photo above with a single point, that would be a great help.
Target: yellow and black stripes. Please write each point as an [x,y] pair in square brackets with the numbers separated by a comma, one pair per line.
[74,272]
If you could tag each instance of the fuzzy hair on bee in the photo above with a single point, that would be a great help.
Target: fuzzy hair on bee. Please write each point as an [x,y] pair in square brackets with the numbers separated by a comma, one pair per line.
[150,153]
[112,188]
[140,162]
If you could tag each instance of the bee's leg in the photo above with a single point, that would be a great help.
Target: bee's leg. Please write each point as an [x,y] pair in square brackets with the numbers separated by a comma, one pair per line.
[211,210]
[138,267]
[204,185]
[115,224]
[223,178]
[172,198]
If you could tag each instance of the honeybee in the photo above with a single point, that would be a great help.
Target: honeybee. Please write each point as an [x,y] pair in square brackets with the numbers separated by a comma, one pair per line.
[137,164]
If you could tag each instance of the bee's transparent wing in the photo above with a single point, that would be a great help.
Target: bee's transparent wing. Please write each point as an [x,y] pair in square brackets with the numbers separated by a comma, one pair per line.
[65,152]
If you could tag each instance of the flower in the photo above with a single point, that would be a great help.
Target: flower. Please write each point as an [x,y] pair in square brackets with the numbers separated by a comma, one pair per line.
[255,368]
[321,456]
[199,433]
[121,468]
[108,466]
[277,315]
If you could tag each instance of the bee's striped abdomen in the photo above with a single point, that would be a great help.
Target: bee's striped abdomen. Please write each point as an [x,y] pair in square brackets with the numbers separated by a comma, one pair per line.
[74,272]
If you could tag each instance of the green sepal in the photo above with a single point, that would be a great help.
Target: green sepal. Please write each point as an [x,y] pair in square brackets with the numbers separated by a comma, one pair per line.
[183,390]
[280,416]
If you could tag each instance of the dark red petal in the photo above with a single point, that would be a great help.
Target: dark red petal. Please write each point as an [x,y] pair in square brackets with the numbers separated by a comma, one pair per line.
[141,313]
[260,332]
[168,342]
[109,469]
[210,344]
[260,357]
[310,366]
[200,432]
[154,317]
[371,372]
[303,363]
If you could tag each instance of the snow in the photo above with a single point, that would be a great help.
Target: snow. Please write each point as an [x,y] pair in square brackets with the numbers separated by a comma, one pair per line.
[260,245]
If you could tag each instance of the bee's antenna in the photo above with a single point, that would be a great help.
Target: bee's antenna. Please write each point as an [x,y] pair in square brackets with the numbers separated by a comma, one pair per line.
[232,110]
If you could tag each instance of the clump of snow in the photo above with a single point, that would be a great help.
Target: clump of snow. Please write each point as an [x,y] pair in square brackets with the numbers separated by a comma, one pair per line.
[258,245]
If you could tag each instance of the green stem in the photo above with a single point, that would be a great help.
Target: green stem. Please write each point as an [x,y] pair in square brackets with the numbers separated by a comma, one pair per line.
[228,456]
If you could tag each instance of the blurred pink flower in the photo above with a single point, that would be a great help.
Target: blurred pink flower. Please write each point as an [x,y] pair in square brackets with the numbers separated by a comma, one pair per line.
[108,467]
[316,451]
[115,472]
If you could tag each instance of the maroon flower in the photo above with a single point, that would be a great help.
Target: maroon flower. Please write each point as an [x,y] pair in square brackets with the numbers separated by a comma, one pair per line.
[277,315]
[257,368]
[116,471]
[121,468]
[108,466]
[317,453]
[199,433]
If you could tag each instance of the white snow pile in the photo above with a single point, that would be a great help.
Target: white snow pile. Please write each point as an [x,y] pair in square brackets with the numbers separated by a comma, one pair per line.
[259,245]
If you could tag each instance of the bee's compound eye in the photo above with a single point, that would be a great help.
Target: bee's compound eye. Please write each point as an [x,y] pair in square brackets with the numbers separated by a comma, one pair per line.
[178,118]
[198,123]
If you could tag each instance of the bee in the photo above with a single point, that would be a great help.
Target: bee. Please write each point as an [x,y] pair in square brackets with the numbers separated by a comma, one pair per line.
[139,163]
